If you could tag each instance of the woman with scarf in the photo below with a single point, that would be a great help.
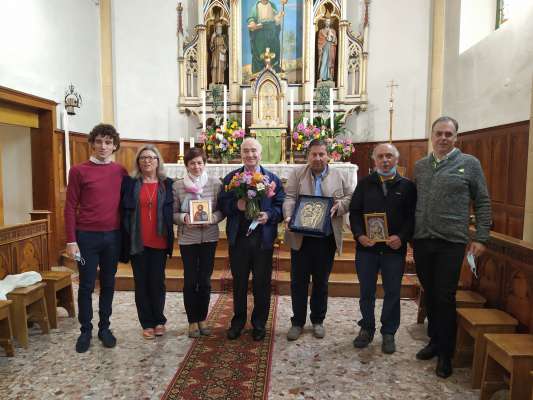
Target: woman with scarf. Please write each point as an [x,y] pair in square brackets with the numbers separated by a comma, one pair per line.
[197,242]
[148,236]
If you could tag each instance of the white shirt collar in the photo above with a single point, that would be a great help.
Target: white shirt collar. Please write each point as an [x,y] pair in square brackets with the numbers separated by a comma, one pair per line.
[445,157]
[97,161]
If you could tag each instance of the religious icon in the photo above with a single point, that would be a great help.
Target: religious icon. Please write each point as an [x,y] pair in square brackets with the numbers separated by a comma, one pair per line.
[376,227]
[311,216]
[30,261]
[200,211]
[219,54]
[327,50]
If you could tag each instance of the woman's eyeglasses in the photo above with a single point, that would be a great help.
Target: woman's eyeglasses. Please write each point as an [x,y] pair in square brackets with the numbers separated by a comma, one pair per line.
[148,158]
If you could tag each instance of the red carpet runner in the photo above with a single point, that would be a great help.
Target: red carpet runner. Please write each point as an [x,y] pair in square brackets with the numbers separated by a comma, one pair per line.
[218,368]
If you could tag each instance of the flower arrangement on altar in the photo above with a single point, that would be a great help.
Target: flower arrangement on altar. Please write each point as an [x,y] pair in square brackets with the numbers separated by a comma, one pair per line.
[251,187]
[340,149]
[223,142]
[303,135]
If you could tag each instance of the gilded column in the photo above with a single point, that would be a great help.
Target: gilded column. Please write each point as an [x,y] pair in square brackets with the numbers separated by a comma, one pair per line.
[528,207]
[309,55]
[106,63]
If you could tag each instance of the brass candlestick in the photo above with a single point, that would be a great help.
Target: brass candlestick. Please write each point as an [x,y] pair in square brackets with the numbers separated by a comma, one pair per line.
[283,147]
[291,152]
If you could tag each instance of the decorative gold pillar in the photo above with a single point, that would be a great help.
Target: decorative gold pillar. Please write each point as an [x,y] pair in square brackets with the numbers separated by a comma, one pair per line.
[106,62]
[437,65]
[528,207]
[341,57]
[235,65]
[202,58]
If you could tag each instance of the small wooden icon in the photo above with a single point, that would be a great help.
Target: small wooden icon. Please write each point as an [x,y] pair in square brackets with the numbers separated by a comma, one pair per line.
[376,227]
[200,211]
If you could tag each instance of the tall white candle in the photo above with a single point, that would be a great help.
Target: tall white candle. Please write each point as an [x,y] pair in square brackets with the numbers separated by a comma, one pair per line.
[225,105]
[191,142]
[243,111]
[291,127]
[182,146]
[331,114]
[204,111]
[311,111]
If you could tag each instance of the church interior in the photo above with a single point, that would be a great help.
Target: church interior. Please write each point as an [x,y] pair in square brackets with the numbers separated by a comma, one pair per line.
[206,74]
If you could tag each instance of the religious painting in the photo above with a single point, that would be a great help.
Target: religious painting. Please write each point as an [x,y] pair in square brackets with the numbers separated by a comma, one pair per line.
[326,45]
[312,216]
[376,227]
[276,25]
[200,211]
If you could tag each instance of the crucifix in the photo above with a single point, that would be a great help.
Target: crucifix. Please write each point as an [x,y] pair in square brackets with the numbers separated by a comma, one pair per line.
[391,85]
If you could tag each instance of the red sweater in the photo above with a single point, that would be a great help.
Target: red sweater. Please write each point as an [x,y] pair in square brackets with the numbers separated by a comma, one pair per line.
[149,234]
[93,198]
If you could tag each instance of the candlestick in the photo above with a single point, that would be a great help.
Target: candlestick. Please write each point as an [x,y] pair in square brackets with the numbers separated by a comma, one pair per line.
[331,113]
[204,111]
[243,111]
[191,142]
[291,128]
[182,149]
[311,111]
[225,105]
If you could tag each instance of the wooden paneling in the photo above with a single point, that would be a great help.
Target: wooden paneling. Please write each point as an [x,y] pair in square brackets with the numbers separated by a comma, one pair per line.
[1,191]
[502,151]
[506,278]
[410,152]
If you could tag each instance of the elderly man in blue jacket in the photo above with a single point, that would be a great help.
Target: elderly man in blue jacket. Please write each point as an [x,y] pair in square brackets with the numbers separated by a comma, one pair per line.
[251,249]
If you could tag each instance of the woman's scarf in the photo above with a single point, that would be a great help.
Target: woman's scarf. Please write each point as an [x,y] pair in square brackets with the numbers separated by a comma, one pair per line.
[194,187]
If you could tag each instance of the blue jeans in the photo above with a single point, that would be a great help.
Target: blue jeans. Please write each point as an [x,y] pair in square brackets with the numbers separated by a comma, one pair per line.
[98,249]
[391,266]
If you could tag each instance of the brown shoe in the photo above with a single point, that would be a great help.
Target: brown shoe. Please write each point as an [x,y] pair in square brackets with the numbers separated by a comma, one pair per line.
[148,334]
[160,330]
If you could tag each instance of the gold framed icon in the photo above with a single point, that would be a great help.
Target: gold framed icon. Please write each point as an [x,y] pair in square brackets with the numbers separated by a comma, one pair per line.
[376,227]
[200,212]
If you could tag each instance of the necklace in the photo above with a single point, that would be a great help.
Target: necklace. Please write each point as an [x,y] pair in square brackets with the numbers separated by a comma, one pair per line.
[150,200]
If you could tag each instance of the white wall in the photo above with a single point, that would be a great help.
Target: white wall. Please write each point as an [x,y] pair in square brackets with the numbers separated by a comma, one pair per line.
[489,84]
[399,49]
[478,19]
[16,173]
[146,70]
[46,45]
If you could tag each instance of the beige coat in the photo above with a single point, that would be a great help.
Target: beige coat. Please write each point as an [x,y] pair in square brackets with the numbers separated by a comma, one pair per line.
[334,184]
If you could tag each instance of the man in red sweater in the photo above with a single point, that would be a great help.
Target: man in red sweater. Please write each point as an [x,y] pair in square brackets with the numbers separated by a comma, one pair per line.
[92,223]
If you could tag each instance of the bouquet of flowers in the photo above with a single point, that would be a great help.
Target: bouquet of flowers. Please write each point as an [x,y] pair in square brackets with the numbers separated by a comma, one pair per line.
[303,135]
[223,141]
[340,149]
[251,187]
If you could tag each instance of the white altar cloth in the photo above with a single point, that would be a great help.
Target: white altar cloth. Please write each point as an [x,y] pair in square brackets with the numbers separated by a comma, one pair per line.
[281,170]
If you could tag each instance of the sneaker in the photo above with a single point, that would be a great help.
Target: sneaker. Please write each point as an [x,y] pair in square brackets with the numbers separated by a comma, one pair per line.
[364,338]
[204,329]
[388,346]
[83,342]
[148,334]
[160,330]
[107,338]
[294,333]
[319,331]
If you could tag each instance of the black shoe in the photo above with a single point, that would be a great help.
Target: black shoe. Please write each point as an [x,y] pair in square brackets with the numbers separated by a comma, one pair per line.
[83,342]
[388,346]
[364,338]
[444,367]
[107,338]
[428,352]
[258,334]
[233,333]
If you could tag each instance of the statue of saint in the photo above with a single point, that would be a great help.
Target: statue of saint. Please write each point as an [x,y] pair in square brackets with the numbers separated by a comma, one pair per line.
[219,54]
[264,24]
[327,51]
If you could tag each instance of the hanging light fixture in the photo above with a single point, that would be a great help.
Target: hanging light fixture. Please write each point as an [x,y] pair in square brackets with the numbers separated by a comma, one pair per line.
[72,100]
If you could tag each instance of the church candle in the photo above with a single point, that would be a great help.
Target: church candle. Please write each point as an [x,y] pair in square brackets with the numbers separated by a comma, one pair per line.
[204,112]
[191,142]
[182,146]
[291,128]
[243,111]
[311,111]
[225,105]
[331,114]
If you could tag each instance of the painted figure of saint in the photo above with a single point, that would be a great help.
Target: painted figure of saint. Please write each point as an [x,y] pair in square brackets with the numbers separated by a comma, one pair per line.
[327,51]
[264,24]
[219,54]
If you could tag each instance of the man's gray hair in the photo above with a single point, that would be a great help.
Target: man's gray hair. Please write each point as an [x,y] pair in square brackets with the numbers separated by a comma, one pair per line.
[254,141]
[445,118]
[393,147]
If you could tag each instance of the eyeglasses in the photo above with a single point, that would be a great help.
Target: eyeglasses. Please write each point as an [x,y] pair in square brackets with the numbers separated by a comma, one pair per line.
[148,158]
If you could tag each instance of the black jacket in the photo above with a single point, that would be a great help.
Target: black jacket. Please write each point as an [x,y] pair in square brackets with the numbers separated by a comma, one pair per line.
[399,205]
[127,205]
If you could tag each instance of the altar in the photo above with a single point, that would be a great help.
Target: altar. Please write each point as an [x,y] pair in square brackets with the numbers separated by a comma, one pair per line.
[281,170]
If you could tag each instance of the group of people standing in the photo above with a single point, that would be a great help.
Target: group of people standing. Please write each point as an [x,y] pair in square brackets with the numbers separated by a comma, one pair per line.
[112,216]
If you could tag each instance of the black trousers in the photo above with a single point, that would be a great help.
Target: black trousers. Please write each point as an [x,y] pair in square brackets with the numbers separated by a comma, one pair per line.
[245,256]
[198,261]
[149,275]
[314,259]
[438,266]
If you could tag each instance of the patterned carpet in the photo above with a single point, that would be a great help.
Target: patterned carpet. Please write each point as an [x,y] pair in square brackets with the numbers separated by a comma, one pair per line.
[218,368]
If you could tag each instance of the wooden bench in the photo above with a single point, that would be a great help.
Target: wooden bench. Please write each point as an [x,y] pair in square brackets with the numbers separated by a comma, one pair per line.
[58,293]
[472,323]
[28,305]
[463,299]
[511,354]
[6,332]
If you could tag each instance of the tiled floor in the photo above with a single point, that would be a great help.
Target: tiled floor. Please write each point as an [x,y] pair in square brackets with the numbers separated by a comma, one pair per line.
[306,369]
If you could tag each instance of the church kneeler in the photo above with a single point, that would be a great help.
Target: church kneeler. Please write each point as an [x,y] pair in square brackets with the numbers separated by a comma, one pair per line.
[58,293]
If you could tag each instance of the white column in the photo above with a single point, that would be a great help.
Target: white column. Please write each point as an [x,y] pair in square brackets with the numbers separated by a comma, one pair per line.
[331,113]
[225,106]
[204,111]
